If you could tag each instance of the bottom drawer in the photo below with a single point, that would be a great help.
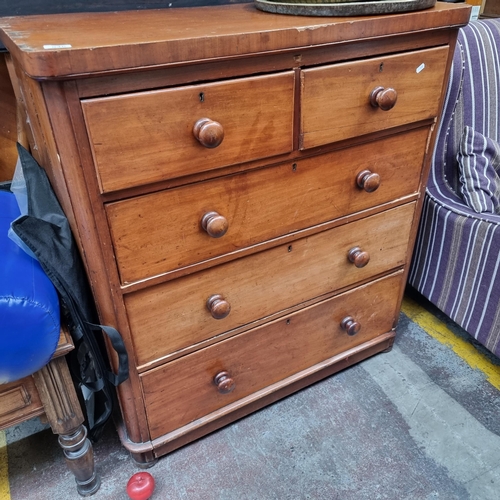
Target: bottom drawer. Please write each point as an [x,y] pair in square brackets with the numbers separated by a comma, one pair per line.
[191,387]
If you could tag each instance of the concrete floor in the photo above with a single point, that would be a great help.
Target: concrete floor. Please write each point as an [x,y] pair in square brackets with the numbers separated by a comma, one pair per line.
[416,423]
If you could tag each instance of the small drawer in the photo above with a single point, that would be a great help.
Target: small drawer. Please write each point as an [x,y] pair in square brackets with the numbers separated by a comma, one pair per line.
[19,401]
[152,136]
[180,227]
[356,98]
[189,310]
[192,387]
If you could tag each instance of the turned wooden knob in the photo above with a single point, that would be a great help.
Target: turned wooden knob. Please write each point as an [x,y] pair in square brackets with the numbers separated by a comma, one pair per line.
[208,132]
[369,181]
[350,325]
[225,384]
[358,257]
[219,307]
[382,98]
[214,224]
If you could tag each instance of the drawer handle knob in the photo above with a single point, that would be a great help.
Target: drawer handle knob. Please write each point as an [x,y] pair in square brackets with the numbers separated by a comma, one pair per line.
[214,224]
[369,181]
[382,98]
[219,307]
[208,132]
[350,325]
[225,384]
[358,257]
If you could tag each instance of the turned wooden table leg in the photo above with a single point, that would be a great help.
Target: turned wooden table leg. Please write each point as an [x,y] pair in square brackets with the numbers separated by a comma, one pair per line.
[80,460]
[65,417]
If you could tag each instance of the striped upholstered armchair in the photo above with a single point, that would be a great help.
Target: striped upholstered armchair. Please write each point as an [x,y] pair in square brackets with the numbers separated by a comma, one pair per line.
[456,264]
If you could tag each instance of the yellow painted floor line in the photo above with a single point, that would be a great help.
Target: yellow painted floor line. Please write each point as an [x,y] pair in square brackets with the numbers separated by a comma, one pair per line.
[4,469]
[438,330]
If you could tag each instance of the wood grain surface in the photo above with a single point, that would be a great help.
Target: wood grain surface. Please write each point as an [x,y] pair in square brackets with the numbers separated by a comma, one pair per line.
[263,356]
[336,99]
[173,315]
[79,44]
[148,137]
[258,205]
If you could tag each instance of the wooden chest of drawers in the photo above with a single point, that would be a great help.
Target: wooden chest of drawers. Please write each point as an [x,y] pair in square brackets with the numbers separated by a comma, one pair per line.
[244,187]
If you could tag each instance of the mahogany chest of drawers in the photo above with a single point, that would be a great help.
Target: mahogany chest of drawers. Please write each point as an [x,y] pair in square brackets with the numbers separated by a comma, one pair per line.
[245,189]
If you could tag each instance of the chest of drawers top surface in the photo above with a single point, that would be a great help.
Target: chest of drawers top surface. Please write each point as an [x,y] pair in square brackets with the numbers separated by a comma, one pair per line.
[65,45]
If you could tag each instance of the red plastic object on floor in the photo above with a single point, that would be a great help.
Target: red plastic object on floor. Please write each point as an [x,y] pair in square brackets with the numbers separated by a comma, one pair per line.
[141,486]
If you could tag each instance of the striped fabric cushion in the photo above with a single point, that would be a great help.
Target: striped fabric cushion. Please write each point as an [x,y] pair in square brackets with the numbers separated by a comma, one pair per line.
[479,166]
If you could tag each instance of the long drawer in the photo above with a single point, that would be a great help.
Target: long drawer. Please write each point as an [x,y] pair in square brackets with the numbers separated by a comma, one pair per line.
[196,385]
[151,136]
[182,312]
[355,98]
[255,206]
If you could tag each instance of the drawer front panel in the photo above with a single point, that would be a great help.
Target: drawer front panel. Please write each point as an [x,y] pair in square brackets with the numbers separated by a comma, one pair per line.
[148,137]
[19,401]
[258,205]
[174,315]
[336,99]
[266,355]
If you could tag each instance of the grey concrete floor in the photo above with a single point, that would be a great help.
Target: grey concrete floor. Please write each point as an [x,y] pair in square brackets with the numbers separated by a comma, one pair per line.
[414,423]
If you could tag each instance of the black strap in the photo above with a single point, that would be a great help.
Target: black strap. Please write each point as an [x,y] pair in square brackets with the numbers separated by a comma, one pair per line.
[46,231]
[119,347]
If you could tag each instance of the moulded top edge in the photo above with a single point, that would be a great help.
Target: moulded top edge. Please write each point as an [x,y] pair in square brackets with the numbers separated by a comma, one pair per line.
[68,45]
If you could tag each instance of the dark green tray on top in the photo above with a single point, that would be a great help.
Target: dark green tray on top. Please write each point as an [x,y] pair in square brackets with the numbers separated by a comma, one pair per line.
[341,7]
